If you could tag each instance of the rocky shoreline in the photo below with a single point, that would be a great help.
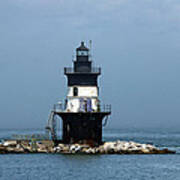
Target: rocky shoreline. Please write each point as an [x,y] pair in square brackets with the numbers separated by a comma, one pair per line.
[47,146]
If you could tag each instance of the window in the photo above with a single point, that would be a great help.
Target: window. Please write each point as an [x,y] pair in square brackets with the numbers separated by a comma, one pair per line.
[75,91]
[82,53]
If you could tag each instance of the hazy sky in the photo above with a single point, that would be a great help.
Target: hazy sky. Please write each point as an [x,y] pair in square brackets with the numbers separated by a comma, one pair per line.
[137,44]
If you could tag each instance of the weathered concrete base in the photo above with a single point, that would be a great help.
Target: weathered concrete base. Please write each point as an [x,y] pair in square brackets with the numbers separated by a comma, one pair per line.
[117,147]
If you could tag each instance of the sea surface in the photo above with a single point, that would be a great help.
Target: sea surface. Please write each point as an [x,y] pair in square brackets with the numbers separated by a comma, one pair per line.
[97,167]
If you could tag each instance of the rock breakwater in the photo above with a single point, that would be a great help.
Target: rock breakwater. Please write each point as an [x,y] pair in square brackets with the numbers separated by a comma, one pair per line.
[116,147]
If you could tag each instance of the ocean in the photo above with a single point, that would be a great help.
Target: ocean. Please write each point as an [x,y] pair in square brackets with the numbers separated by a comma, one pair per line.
[97,167]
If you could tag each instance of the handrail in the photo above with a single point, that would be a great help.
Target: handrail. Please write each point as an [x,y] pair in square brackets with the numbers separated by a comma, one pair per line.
[101,108]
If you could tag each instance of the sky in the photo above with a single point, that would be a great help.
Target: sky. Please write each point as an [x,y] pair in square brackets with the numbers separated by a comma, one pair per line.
[137,44]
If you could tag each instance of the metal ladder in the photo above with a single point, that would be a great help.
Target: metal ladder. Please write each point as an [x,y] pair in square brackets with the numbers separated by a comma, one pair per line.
[51,128]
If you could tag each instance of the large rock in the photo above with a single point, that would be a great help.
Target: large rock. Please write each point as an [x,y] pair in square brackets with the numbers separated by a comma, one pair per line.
[2,150]
[90,151]
[10,143]
[39,150]
[109,147]
[75,148]
[14,150]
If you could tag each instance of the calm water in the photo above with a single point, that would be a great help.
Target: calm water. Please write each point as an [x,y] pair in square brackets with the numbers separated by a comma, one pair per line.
[80,167]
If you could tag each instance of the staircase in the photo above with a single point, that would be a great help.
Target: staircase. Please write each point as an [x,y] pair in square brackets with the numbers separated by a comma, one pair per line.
[51,128]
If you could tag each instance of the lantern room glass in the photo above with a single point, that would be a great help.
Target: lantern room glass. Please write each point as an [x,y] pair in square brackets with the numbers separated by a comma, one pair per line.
[82,53]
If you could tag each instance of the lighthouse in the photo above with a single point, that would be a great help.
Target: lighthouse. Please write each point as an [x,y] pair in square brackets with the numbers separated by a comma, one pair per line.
[82,114]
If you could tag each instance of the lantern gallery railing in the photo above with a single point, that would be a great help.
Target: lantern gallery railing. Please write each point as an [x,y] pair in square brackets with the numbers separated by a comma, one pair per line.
[70,70]
[100,108]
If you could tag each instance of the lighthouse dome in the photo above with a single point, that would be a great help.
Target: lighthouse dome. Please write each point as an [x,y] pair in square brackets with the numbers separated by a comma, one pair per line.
[82,47]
